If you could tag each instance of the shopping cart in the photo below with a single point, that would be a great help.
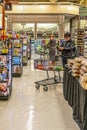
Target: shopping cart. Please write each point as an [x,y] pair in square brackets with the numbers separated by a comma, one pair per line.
[48,66]
[42,51]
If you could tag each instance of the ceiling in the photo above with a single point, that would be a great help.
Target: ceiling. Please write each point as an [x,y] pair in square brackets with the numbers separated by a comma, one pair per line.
[76,1]
[81,2]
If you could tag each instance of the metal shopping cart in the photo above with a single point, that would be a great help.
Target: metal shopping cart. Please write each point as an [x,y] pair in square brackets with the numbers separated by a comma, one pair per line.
[47,66]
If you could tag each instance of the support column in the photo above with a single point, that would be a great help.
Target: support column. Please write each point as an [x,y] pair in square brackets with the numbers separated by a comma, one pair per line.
[61,20]
[61,31]
[3,17]
[3,21]
[10,22]
[10,26]
[35,30]
[78,22]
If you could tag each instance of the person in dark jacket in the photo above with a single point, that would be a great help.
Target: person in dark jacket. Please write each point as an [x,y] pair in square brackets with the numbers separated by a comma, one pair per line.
[67,48]
[52,48]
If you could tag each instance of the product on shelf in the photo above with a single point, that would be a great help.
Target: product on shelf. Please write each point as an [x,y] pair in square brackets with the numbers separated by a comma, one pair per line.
[78,68]
[70,63]
[17,43]
[16,51]
[85,42]
[46,65]
[25,51]
[25,59]
[16,60]
[5,69]
[17,57]
[79,40]
[75,66]
[83,81]
[16,69]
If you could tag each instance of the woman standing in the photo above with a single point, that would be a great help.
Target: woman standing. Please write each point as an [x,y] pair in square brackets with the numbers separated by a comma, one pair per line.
[67,47]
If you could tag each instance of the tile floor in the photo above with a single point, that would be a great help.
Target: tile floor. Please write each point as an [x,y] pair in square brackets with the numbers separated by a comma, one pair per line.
[31,109]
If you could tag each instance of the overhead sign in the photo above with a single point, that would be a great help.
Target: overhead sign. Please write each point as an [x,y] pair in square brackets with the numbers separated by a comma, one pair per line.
[1,1]
[8,6]
[83,11]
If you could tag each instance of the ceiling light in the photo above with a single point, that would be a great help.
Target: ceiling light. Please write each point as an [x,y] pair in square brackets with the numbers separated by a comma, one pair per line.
[53,1]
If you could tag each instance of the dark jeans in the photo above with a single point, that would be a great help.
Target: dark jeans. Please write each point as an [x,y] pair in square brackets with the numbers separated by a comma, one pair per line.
[52,55]
[64,61]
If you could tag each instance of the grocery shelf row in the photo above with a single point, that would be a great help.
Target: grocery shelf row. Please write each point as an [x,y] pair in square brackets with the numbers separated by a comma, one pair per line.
[12,54]
[5,69]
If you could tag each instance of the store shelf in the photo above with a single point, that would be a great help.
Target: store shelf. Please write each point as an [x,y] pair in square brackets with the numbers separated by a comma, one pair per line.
[79,40]
[85,42]
[17,58]
[25,52]
[5,69]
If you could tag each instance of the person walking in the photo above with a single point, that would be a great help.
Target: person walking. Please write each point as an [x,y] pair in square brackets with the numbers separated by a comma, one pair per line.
[52,48]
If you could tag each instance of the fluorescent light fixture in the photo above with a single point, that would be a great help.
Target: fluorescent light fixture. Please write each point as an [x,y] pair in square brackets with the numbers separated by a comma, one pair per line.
[53,1]
[41,6]
[70,7]
[21,7]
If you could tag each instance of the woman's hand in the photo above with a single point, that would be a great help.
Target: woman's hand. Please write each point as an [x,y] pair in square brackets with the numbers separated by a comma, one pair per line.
[61,48]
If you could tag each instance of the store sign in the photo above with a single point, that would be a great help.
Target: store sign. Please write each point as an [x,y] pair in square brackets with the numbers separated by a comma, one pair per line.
[8,6]
[1,1]
[83,11]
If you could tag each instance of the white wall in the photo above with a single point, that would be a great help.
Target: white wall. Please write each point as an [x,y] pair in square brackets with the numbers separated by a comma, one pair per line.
[67,27]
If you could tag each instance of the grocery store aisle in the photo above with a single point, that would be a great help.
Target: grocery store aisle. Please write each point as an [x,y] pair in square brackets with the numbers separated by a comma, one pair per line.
[31,109]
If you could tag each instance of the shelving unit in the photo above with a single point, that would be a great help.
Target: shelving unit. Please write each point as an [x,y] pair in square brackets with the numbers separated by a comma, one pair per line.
[5,69]
[48,34]
[79,40]
[39,34]
[85,42]
[25,51]
[31,34]
[29,49]
[55,33]
[17,58]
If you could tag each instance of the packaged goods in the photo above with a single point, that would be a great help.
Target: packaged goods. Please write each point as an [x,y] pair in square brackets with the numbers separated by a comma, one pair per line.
[84,69]
[78,60]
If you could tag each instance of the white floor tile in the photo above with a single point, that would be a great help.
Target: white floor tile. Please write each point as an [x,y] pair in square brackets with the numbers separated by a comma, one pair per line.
[31,109]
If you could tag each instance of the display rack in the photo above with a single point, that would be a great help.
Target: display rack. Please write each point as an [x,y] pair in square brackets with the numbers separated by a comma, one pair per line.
[85,42]
[48,34]
[31,34]
[29,49]
[17,58]
[55,33]
[25,51]
[5,69]
[39,34]
[79,40]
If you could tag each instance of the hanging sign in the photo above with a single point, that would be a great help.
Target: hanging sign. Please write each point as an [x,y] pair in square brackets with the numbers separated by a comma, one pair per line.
[8,6]
[1,1]
[83,11]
